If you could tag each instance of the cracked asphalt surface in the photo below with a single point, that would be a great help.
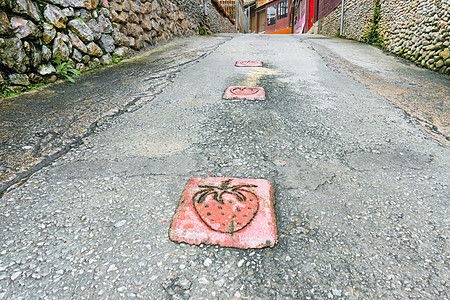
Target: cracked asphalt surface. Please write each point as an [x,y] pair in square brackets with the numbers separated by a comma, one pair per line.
[361,188]
[421,94]
[40,126]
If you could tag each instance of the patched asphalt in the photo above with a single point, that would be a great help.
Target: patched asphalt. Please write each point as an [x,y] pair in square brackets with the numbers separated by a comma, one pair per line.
[361,188]
[40,126]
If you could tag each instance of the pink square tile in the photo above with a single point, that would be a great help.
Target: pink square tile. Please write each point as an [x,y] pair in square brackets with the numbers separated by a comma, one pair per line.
[249,63]
[245,92]
[229,212]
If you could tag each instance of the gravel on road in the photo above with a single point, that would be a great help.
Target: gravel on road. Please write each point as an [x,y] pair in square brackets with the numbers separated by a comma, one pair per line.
[361,190]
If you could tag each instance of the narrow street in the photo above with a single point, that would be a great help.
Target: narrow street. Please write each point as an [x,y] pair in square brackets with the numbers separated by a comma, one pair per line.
[91,181]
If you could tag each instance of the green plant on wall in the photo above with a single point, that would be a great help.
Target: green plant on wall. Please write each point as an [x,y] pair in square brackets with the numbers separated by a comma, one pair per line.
[65,69]
[116,59]
[373,35]
[202,30]
[9,93]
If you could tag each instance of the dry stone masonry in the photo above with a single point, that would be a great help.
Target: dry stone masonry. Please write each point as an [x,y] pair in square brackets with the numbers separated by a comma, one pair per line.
[89,33]
[358,17]
[417,30]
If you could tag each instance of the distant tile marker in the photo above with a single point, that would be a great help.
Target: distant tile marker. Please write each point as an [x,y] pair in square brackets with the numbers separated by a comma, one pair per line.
[245,93]
[229,212]
[248,63]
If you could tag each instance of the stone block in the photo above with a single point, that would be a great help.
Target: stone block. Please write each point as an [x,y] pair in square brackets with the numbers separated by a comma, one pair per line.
[146,23]
[133,18]
[94,63]
[46,53]
[24,28]
[81,29]
[77,42]
[121,52]
[104,24]
[116,7]
[46,69]
[126,5]
[60,48]
[13,55]
[35,56]
[106,59]
[5,25]
[122,17]
[26,7]
[447,62]
[93,25]
[80,67]
[445,54]
[107,43]
[67,3]
[439,63]
[19,79]
[55,16]
[49,33]
[77,55]
[134,30]
[90,4]
[146,8]
[94,49]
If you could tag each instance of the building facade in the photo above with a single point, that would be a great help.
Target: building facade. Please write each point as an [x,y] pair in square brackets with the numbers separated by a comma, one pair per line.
[287,16]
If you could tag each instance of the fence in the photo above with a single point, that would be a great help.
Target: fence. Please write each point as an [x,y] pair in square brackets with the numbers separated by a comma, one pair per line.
[235,11]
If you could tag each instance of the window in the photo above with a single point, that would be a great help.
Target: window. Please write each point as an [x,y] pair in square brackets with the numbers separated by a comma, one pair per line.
[283,9]
[271,14]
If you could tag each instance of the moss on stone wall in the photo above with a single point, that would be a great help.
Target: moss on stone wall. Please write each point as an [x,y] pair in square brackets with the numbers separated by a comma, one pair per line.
[373,35]
[418,30]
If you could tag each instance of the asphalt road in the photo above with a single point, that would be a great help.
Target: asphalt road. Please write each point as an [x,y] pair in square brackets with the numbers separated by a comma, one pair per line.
[361,188]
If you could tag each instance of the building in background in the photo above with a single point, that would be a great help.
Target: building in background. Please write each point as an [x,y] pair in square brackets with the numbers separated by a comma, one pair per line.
[278,17]
[274,16]
[290,16]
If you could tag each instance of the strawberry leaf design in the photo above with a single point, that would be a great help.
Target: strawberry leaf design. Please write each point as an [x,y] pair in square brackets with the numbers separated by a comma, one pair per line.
[225,207]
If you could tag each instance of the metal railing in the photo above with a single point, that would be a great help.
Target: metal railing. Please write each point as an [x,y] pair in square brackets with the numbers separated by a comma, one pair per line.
[235,11]
[230,7]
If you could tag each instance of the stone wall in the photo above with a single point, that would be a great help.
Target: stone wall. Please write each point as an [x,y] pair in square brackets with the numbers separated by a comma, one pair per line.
[89,33]
[358,18]
[214,22]
[418,30]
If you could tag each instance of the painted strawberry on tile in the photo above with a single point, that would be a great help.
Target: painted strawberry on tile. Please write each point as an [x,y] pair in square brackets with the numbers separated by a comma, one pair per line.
[226,208]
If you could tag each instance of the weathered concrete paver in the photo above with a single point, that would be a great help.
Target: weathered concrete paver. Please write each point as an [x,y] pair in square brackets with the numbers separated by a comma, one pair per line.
[245,93]
[248,63]
[229,212]
[361,191]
